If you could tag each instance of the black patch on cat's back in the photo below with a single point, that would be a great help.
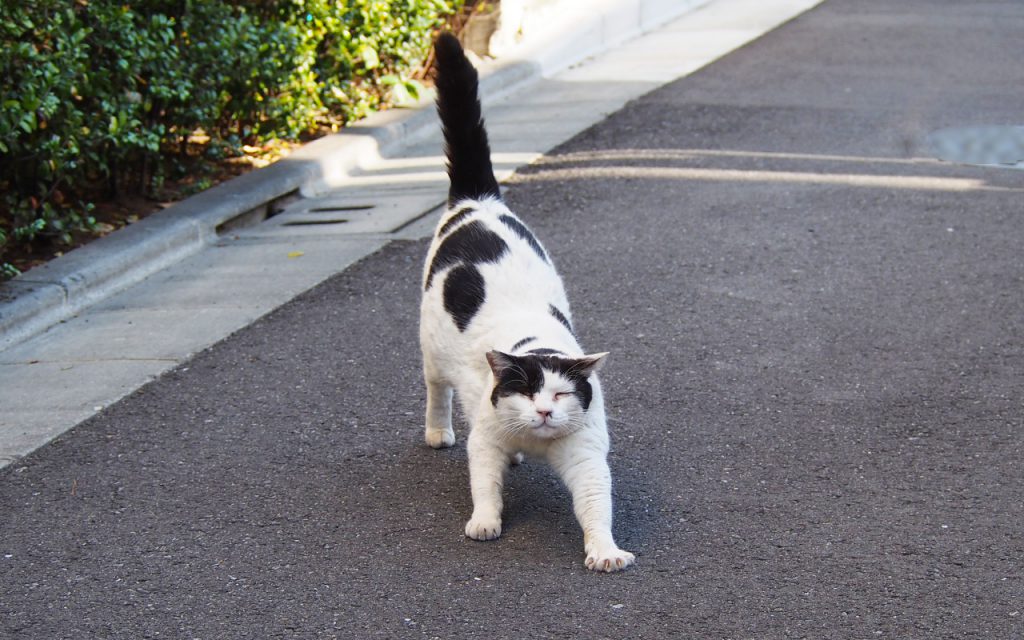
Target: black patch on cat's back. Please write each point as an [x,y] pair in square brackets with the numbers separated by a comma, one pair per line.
[457,217]
[523,232]
[558,315]
[544,351]
[472,243]
[463,294]
[522,343]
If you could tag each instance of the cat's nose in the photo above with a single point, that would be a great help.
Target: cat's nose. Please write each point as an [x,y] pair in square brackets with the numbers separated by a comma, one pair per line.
[543,414]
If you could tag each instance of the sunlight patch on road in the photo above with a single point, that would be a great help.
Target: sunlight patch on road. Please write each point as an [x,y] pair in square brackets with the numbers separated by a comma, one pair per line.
[923,183]
[692,154]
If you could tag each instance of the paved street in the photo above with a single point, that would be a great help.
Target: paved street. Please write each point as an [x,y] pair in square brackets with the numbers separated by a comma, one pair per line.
[817,337]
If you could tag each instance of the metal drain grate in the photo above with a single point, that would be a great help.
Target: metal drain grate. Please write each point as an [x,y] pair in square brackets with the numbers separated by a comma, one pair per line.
[984,145]
[350,207]
[308,223]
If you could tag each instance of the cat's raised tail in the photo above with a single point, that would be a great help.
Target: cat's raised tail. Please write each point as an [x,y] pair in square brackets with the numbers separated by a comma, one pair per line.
[465,138]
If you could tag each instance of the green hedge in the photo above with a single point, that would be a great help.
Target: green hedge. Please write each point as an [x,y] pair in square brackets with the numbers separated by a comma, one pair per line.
[100,97]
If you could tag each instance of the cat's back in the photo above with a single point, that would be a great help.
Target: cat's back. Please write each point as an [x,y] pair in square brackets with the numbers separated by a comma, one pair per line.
[485,236]
[484,259]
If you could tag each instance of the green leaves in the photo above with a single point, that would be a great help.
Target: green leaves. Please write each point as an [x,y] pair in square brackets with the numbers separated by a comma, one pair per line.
[103,95]
[369,55]
[404,92]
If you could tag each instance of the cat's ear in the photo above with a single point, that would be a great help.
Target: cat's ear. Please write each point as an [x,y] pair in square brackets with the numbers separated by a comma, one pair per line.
[499,362]
[591,363]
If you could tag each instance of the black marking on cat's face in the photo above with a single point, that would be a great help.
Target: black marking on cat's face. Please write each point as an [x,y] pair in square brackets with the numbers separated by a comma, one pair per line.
[463,294]
[553,310]
[514,375]
[522,343]
[472,243]
[457,217]
[525,374]
[523,232]
[578,373]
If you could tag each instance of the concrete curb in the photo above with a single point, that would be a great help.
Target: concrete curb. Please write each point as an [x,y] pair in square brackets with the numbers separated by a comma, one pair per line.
[51,293]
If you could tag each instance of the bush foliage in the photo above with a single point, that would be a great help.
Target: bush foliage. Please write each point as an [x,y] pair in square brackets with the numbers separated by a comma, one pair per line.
[100,97]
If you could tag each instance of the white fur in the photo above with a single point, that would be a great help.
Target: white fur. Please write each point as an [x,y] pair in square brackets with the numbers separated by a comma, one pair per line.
[519,289]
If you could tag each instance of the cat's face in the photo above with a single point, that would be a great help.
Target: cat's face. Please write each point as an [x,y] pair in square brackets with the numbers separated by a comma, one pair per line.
[542,396]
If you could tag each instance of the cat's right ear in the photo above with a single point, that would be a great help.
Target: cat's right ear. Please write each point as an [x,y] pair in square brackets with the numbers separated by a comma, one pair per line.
[591,363]
[499,362]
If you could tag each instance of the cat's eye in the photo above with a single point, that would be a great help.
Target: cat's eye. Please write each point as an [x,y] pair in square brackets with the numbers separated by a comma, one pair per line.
[562,394]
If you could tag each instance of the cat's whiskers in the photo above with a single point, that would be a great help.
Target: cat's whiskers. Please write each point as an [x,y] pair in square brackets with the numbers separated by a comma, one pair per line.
[511,429]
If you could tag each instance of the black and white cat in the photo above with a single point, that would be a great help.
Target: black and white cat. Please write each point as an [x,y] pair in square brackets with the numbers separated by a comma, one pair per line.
[495,327]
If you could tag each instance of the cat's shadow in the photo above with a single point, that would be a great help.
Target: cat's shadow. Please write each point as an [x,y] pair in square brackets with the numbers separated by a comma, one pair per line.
[538,516]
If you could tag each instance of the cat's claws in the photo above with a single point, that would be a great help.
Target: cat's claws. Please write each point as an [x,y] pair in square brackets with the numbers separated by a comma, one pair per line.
[609,560]
[483,529]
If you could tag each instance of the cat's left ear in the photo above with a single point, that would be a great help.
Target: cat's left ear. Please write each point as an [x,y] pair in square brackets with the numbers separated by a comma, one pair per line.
[499,362]
[592,363]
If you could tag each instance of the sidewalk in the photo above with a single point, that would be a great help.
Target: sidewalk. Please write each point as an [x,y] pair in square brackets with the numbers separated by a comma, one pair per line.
[146,299]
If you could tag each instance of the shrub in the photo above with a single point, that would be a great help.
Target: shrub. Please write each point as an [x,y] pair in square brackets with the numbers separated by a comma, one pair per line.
[100,98]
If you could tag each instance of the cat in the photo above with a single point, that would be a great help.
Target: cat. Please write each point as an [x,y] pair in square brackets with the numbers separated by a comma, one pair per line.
[495,328]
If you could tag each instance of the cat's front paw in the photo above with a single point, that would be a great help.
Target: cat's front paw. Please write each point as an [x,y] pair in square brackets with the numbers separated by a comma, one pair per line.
[609,559]
[440,438]
[483,528]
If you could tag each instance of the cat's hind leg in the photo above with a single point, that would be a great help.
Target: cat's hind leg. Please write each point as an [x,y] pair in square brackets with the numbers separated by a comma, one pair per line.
[439,432]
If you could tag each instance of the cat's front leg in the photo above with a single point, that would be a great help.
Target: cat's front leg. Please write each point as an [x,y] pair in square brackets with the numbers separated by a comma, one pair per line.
[607,556]
[487,465]
[585,472]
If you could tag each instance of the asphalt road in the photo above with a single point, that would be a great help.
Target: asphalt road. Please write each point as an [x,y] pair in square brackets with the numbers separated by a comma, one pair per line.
[818,356]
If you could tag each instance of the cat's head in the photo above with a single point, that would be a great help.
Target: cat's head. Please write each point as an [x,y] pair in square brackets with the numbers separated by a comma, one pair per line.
[542,395]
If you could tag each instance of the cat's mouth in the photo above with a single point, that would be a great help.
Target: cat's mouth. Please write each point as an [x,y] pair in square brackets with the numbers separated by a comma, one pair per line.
[545,430]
